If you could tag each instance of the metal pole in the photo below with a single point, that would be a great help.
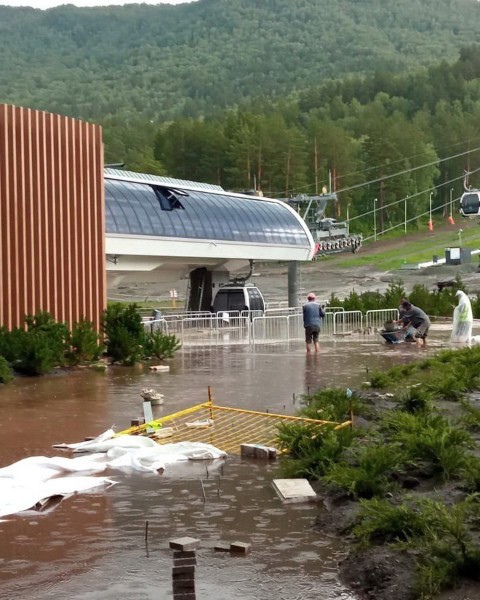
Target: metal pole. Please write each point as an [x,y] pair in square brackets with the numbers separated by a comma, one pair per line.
[406,215]
[293,277]
[430,222]
[375,219]
[451,210]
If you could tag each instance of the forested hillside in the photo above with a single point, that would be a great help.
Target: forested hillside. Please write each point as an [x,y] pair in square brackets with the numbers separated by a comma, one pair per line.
[164,61]
[379,100]
[388,144]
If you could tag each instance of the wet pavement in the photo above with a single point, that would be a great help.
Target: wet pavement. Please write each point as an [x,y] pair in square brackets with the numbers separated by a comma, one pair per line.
[93,546]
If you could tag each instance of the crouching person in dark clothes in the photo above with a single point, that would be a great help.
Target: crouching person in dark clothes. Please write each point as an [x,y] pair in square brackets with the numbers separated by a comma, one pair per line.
[312,318]
[416,322]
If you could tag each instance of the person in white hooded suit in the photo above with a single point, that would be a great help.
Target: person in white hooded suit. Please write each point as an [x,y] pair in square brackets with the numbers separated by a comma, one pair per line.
[462,320]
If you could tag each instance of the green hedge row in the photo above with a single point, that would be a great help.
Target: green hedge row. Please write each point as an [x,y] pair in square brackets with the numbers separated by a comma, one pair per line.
[434,303]
[43,343]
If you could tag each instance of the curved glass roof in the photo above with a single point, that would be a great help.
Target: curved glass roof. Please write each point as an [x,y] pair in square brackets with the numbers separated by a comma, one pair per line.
[156,210]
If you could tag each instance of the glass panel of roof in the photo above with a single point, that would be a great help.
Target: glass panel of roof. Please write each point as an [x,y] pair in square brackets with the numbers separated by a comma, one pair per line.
[134,208]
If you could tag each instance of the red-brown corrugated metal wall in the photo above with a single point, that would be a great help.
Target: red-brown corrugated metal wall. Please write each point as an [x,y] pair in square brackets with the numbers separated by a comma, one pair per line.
[52,223]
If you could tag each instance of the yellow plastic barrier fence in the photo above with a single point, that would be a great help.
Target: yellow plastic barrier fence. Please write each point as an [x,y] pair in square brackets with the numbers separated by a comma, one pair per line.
[224,427]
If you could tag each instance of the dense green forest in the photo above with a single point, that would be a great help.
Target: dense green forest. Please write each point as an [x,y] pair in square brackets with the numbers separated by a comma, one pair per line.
[285,96]
[163,61]
[385,137]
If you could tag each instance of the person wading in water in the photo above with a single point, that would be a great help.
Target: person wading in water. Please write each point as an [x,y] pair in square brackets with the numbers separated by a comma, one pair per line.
[312,318]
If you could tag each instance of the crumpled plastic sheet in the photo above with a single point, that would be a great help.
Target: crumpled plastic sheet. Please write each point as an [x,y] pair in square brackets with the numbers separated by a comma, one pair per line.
[31,481]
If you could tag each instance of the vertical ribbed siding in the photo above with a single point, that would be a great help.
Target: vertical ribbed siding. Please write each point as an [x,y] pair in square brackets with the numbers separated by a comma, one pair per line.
[52,224]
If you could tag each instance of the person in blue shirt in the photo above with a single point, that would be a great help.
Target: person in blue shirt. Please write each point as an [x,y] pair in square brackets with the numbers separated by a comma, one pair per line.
[312,318]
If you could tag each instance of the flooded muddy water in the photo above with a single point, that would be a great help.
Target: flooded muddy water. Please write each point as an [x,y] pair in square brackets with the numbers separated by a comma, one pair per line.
[92,546]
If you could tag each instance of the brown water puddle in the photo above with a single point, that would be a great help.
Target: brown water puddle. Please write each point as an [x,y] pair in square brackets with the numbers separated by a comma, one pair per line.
[92,546]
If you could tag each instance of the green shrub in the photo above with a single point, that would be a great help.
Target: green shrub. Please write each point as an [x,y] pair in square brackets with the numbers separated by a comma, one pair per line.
[37,349]
[84,343]
[433,303]
[11,343]
[5,346]
[123,347]
[124,332]
[448,551]
[471,417]
[445,356]
[426,364]
[370,301]
[332,404]
[430,438]
[440,535]
[380,380]
[449,385]
[311,448]
[37,355]
[394,294]
[368,472]
[415,400]
[396,422]
[399,372]
[475,303]
[381,522]
[161,345]
[421,296]
[472,475]
[5,371]
[15,347]
[353,302]
[44,325]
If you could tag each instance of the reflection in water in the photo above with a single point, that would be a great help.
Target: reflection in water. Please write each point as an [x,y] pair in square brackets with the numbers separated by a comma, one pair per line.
[92,546]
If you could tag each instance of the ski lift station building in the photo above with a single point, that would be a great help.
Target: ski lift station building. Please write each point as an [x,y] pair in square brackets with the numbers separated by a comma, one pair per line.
[69,228]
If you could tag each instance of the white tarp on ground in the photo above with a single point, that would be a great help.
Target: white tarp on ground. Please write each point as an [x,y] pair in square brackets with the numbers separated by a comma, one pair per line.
[17,496]
[33,480]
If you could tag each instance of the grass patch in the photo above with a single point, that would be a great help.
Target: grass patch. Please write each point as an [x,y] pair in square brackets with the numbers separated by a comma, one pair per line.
[417,250]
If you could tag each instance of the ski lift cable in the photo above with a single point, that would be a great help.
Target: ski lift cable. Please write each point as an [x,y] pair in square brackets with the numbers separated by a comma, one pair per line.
[351,174]
[409,197]
[402,223]
[405,158]
[397,174]
[404,171]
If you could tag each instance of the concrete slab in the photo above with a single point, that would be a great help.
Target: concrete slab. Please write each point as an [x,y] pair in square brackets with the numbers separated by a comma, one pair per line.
[294,490]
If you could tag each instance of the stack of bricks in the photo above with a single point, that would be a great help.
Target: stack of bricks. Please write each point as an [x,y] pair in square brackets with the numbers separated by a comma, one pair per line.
[183,572]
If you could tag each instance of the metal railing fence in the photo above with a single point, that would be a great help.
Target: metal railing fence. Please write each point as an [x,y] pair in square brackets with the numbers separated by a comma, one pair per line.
[375,319]
[347,322]
[255,327]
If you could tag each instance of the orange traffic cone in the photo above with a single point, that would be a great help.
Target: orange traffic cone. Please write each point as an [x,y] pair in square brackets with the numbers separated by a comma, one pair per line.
[451,220]
[430,226]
